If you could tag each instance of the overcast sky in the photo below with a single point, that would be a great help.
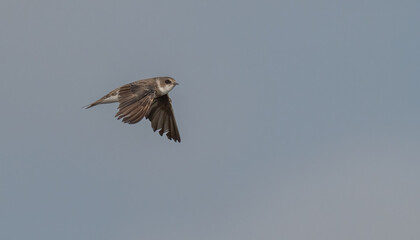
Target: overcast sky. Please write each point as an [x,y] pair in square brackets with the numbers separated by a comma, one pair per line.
[299,120]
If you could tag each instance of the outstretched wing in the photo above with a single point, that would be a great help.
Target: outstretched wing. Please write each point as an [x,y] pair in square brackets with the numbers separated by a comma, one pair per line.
[135,100]
[162,117]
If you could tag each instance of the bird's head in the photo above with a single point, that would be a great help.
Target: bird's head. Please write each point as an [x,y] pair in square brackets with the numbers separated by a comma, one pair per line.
[165,84]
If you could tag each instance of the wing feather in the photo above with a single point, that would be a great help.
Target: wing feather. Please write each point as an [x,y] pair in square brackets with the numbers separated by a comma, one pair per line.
[162,118]
[135,102]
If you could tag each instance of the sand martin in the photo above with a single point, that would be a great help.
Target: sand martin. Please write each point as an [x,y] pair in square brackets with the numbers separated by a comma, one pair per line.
[146,98]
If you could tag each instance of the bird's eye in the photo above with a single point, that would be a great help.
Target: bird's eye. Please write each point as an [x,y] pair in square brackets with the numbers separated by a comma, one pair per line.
[167,81]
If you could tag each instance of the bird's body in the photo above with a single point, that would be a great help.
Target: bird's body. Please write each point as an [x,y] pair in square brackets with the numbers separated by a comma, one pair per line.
[145,98]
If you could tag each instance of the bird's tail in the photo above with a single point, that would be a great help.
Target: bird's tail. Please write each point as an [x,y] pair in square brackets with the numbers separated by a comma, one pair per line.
[90,105]
[111,97]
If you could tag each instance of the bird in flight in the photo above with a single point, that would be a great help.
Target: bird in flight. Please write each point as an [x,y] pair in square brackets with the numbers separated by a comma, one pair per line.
[145,98]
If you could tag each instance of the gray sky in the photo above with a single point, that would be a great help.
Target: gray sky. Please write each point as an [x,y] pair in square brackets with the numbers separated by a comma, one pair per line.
[299,120]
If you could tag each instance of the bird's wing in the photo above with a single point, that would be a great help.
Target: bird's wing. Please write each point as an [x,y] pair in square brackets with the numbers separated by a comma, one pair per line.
[135,101]
[162,117]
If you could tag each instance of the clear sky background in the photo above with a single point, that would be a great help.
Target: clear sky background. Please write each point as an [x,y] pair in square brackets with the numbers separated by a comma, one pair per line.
[298,119]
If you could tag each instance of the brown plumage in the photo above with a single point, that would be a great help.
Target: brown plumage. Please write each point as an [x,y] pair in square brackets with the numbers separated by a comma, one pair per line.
[146,98]
[162,117]
[111,94]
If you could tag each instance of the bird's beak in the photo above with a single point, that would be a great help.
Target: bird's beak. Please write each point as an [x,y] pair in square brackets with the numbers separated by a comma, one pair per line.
[176,83]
